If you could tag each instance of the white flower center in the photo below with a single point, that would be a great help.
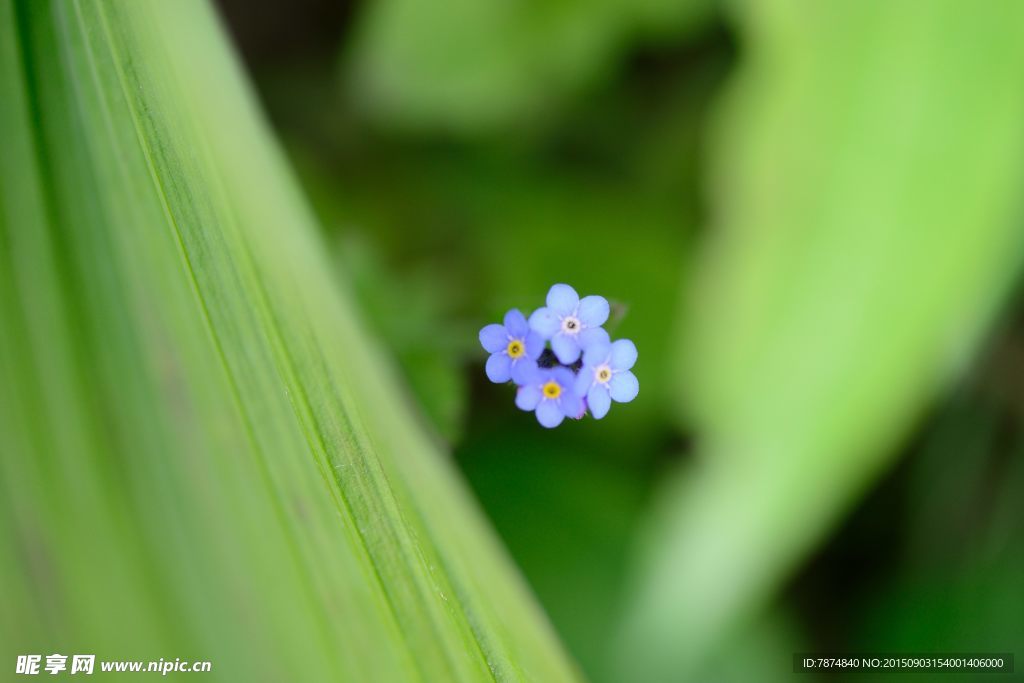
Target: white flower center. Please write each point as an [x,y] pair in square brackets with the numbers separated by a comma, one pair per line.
[602,374]
[571,324]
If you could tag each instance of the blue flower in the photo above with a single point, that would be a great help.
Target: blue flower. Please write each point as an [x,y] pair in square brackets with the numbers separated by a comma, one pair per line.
[570,323]
[550,393]
[605,376]
[514,348]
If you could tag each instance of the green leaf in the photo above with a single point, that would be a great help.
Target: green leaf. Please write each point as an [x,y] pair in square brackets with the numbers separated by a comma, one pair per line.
[475,65]
[202,455]
[866,223]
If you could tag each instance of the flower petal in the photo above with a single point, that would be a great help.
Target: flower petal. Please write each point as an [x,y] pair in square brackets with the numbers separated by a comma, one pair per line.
[623,354]
[549,414]
[534,345]
[522,370]
[595,352]
[565,348]
[591,336]
[515,324]
[598,401]
[494,338]
[624,386]
[571,405]
[498,368]
[583,381]
[563,300]
[544,322]
[564,376]
[528,397]
[593,311]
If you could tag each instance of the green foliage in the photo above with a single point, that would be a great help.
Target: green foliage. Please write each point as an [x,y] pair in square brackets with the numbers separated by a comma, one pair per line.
[866,208]
[205,452]
[472,65]
[202,454]
[959,580]
[487,225]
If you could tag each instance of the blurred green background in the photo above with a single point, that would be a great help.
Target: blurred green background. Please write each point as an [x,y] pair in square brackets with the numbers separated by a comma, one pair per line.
[807,216]
[810,216]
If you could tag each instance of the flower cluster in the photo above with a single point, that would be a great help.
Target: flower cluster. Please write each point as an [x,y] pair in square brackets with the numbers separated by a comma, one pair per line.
[582,370]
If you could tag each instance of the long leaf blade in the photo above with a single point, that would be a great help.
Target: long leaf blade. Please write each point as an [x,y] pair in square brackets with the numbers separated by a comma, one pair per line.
[204,455]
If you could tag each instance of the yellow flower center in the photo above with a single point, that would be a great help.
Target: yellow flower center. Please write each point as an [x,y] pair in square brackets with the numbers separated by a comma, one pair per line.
[552,389]
[515,348]
[604,374]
